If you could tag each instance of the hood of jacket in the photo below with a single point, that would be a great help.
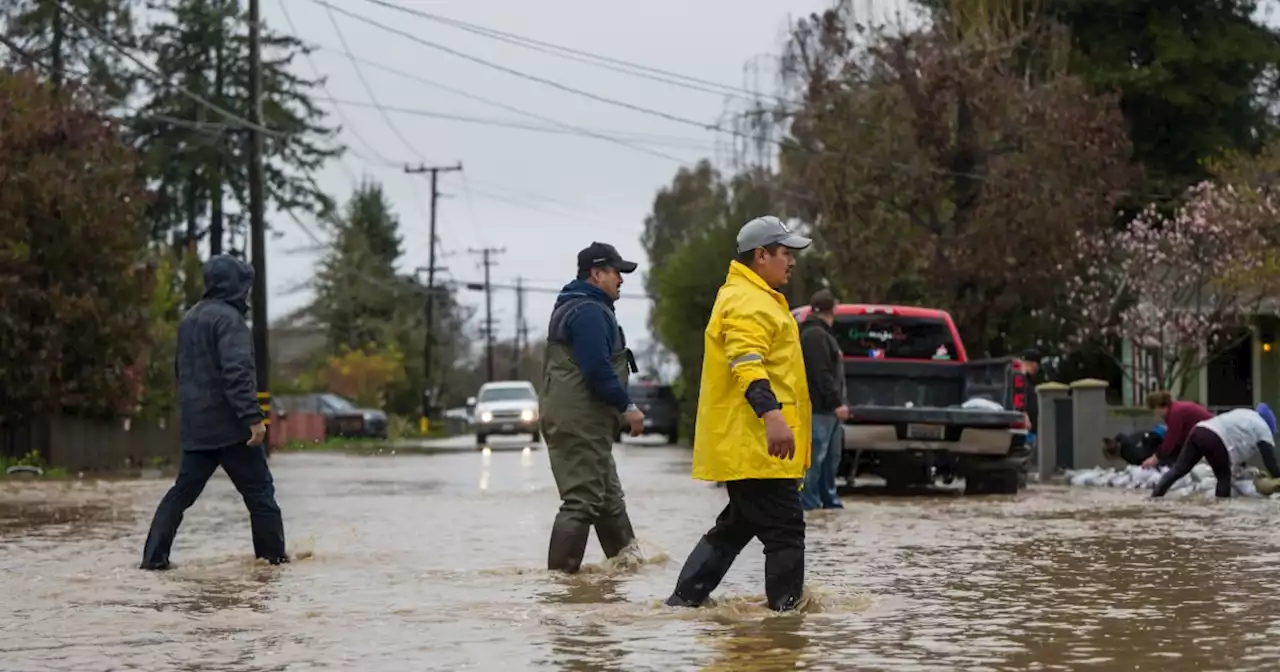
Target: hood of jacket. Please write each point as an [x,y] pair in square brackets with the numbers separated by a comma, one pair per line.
[814,322]
[580,289]
[229,280]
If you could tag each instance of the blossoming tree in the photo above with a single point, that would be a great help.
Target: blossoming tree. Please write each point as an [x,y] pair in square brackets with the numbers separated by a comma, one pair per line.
[1180,286]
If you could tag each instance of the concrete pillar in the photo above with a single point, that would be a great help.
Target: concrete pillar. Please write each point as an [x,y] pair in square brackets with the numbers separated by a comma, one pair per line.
[1089,422]
[1047,428]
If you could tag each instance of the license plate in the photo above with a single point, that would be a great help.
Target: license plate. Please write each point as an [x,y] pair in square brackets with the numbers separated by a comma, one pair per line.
[928,432]
[508,427]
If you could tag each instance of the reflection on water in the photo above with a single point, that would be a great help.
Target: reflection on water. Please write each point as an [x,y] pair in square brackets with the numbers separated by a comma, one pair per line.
[435,562]
[756,646]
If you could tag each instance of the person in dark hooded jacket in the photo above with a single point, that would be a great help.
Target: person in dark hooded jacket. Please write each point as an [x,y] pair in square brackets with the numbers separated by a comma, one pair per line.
[824,370]
[221,422]
[583,404]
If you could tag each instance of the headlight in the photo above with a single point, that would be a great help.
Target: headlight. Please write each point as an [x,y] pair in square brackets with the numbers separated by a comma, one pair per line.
[527,415]
[486,417]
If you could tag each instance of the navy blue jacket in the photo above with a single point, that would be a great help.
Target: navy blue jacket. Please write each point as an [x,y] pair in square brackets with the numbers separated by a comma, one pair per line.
[592,333]
[217,381]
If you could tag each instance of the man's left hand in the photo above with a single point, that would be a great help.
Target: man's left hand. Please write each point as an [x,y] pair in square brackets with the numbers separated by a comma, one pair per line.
[1150,462]
[257,433]
[635,420]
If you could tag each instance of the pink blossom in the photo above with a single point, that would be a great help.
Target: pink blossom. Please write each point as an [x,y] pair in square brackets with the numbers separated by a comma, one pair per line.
[1173,283]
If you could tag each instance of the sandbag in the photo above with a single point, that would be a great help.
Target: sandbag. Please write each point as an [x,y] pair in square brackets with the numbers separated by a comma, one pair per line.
[1199,482]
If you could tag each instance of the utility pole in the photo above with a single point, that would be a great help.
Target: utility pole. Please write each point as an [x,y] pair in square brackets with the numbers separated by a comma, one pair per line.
[424,422]
[429,341]
[486,256]
[257,223]
[216,235]
[522,331]
[56,46]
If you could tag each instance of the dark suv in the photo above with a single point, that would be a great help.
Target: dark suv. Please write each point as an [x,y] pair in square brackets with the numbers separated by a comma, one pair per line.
[661,410]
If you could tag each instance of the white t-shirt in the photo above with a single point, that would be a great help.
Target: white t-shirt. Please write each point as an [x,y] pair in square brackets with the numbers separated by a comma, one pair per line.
[1240,429]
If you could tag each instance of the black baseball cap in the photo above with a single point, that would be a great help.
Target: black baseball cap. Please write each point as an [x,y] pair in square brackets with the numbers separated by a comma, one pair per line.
[604,255]
[1032,355]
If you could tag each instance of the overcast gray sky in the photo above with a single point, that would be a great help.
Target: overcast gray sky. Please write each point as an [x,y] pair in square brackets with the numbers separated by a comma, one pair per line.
[541,196]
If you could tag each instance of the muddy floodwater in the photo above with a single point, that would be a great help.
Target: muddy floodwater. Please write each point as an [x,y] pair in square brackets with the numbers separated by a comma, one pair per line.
[434,562]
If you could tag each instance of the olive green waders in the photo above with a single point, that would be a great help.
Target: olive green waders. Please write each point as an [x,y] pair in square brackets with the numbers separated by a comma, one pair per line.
[580,430]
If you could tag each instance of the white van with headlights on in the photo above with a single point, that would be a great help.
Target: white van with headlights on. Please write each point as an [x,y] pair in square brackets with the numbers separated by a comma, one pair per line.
[505,408]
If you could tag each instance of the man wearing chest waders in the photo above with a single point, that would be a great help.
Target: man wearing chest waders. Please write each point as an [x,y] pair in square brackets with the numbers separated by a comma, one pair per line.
[754,422]
[584,404]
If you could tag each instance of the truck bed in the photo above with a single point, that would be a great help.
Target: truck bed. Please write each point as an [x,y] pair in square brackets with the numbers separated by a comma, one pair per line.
[916,406]
[890,383]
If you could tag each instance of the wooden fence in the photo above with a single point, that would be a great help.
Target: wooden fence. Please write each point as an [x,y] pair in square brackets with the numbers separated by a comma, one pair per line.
[295,426]
[79,444]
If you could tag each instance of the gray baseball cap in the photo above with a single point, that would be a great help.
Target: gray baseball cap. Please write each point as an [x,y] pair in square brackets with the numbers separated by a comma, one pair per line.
[768,230]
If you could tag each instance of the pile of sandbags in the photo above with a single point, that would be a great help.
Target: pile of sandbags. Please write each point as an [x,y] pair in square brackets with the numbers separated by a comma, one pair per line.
[1199,481]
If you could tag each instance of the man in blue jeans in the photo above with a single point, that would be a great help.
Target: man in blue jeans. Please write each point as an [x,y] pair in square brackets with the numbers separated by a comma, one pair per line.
[221,423]
[824,367]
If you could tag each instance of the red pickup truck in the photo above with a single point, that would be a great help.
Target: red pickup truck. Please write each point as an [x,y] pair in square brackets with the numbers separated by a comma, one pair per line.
[908,379]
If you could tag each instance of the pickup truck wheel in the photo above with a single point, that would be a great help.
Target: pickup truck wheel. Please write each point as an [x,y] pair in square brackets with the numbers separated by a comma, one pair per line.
[537,436]
[481,439]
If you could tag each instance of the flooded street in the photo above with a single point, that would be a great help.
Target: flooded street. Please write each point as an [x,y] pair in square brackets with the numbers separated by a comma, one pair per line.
[413,562]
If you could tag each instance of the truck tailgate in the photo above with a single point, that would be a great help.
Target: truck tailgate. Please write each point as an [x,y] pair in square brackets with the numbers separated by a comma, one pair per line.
[963,417]
[952,429]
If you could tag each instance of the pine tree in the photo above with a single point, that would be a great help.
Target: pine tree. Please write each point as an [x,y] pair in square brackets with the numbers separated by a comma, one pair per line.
[357,288]
[195,155]
[72,50]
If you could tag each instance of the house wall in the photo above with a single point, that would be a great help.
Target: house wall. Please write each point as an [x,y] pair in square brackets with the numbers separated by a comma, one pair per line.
[1265,374]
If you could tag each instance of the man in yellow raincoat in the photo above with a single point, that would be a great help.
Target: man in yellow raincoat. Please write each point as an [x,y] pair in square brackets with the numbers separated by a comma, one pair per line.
[753,430]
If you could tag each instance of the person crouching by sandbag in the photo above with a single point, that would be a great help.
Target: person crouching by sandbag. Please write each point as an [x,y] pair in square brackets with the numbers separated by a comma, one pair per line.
[1225,441]
[1180,417]
[1135,447]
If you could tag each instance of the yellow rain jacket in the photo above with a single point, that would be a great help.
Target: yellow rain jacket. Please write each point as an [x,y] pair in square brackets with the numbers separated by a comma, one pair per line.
[751,336]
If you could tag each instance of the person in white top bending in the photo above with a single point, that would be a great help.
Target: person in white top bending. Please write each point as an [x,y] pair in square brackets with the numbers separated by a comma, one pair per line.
[1225,441]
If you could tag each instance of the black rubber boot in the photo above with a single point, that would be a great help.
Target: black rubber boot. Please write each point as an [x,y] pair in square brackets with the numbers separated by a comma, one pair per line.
[701,574]
[614,533]
[784,578]
[568,544]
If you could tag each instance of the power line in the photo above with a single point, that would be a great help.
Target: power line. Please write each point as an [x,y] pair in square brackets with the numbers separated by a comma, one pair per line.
[160,79]
[612,101]
[607,62]
[518,199]
[347,123]
[480,286]
[494,103]
[599,134]
[521,74]
[369,89]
